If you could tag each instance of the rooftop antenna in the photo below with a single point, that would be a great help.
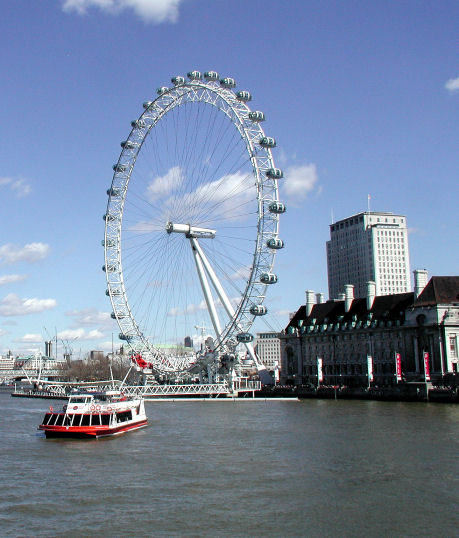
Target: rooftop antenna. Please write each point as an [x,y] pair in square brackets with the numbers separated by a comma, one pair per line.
[332,217]
[368,202]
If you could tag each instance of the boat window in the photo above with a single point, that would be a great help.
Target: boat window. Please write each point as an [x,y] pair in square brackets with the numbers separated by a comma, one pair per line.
[96,420]
[59,420]
[105,419]
[85,420]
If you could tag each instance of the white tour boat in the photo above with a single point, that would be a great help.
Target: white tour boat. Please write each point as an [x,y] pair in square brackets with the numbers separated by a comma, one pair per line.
[95,414]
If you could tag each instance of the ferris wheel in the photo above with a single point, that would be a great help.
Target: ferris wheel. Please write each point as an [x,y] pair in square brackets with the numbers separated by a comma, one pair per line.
[192,225]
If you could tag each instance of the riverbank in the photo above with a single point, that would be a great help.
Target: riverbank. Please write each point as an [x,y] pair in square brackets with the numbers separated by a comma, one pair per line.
[406,392]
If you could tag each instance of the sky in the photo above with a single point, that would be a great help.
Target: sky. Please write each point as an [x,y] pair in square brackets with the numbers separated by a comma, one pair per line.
[362,98]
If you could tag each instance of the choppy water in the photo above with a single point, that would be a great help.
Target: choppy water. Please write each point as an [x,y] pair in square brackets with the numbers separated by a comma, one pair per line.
[312,468]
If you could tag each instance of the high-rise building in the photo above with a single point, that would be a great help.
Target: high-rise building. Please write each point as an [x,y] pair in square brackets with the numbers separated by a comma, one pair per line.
[369,246]
[267,347]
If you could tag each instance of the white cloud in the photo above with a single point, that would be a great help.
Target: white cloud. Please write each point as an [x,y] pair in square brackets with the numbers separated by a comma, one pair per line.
[80,334]
[90,316]
[154,11]
[32,252]
[299,182]
[18,186]
[12,305]
[452,85]
[9,279]
[30,339]
[162,185]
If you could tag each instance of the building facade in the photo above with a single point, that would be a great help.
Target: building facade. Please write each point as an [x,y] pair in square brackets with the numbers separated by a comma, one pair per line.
[345,333]
[366,247]
[267,348]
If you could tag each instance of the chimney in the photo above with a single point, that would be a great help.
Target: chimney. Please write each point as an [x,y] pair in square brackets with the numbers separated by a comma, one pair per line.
[348,296]
[310,301]
[320,298]
[371,294]
[341,296]
[420,281]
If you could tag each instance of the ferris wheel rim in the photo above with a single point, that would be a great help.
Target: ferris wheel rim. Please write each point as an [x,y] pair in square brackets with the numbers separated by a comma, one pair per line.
[251,133]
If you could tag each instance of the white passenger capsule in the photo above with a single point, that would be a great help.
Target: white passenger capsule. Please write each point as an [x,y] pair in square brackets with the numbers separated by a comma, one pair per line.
[128,144]
[211,75]
[228,82]
[277,207]
[113,192]
[162,90]
[258,310]
[138,124]
[194,75]
[125,337]
[119,167]
[120,315]
[114,291]
[108,243]
[256,116]
[267,142]
[109,268]
[274,243]
[244,96]
[268,278]
[147,104]
[275,173]
[244,338]
[176,81]
[109,218]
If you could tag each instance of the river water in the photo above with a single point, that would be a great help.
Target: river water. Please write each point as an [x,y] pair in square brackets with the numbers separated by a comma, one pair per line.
[279,468]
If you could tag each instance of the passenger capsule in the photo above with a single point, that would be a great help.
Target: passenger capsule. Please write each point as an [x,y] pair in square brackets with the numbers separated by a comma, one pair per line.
[277,207]
[113,192]
[244,338]
[275,173]
[108,217]
[267,142]
[228,82]
[108,242]
[275,243]
[119,167]
[256,115]
[162,90]
[109,268]
[128,144]
[211,75]
[244,96]
[176,81]
[125,337]
[114,291]
[268,278]
[194,75]
[258,310]
[147,104]
[114,316]
[138,124]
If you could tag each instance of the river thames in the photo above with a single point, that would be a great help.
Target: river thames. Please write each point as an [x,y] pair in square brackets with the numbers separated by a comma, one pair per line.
[279,468]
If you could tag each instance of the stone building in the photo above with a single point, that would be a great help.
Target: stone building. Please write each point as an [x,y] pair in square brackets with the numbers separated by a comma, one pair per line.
[343,333]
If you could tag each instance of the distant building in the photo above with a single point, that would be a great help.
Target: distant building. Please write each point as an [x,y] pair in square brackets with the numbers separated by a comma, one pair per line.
[344,333]
[267,348]
[369,246]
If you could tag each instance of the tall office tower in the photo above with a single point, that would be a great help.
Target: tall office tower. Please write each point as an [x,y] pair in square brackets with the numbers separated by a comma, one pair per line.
[366,247]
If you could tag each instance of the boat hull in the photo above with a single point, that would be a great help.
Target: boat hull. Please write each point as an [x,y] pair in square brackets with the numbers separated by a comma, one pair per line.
[91,432]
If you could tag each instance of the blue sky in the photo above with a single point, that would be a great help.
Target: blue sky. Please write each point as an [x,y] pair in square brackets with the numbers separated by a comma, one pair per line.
[362,98]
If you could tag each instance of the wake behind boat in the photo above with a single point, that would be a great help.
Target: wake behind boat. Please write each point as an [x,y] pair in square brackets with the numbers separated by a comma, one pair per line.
[95,414]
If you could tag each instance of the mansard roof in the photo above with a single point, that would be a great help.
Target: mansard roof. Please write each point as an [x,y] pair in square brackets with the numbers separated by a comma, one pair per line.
[439,290]
[387,307]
